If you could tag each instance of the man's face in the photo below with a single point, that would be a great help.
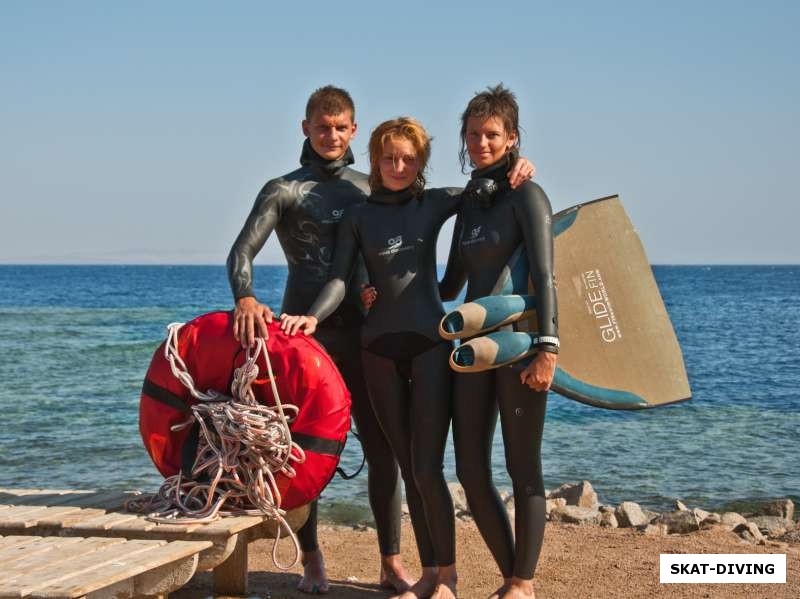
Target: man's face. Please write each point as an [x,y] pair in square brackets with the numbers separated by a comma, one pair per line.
[330,134]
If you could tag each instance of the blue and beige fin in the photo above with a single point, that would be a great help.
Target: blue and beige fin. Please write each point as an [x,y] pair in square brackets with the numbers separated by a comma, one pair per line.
[485,314]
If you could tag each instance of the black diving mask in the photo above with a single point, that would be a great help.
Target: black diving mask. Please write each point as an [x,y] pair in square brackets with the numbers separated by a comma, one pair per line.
[481,190]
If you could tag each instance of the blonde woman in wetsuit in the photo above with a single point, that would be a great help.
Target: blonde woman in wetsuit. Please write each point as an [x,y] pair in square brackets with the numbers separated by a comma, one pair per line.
[505,220]
[405,361]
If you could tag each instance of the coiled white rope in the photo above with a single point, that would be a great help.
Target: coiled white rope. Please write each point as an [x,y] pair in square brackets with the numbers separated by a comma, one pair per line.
[242,446]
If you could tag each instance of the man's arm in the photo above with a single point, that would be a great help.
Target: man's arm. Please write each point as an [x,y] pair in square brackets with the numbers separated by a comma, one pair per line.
[345,257]
[250,315]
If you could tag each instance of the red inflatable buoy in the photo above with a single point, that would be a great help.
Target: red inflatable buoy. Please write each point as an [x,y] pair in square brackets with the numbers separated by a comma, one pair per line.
[304,374]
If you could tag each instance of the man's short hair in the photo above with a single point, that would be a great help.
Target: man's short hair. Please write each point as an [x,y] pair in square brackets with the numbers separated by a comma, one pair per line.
[330,100]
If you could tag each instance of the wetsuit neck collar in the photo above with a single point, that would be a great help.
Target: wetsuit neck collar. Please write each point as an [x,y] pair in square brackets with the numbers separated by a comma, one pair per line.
[485,183]
[498,171]
[326,168]
[391,198]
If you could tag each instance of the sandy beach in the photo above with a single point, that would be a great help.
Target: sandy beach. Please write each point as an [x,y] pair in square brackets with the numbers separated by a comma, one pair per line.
[576,561]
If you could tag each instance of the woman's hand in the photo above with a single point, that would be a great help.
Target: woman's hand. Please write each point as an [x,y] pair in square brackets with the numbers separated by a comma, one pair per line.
[539,373]
[292,324]
[248,317]
[523,170]
[368,295]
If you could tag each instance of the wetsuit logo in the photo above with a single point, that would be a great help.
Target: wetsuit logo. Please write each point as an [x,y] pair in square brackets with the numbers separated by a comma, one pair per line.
[474,236]
[336,216]
[395,245]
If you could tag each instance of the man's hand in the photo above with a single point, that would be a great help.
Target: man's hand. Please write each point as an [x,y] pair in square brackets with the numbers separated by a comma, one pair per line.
[368,295]
[539,373]
[523,170]
[248,317]
[292,324]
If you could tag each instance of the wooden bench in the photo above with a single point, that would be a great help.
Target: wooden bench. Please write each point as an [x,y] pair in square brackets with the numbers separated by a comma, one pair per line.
[71,567]
[45,513]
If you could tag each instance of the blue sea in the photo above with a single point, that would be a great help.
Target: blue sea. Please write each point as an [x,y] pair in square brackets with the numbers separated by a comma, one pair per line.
[75,342]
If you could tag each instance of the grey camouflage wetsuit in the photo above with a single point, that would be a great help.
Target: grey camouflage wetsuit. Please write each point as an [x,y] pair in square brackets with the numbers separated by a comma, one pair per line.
[485,239]
[305,207]
[405,361]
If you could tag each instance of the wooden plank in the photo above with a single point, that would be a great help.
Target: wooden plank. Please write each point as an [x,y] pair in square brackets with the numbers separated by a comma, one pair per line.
[102,523]
[14,517]
[32,518]
[68,520]
[37,544]
[98,561]
[11,541]
[142,525]
[107,500]
[126,565]
[138,525]
[230,525]
[57,563]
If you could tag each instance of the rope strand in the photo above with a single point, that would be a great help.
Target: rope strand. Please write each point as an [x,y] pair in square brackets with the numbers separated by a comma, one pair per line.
[243,445]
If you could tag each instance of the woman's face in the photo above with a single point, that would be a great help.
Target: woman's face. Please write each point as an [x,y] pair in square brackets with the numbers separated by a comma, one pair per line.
[398,164]
[487,140]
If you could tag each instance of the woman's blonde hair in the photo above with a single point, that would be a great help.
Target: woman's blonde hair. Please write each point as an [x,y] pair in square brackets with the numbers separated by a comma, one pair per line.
[403,127]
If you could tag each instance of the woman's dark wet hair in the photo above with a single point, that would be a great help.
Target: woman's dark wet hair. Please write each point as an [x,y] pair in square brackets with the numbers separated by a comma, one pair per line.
[498,101]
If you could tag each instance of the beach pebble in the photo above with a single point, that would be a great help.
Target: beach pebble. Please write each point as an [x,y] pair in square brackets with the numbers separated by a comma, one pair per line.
[459,498]
[771,526]
[656,530]
[651,515]
[352,579]
[630,514]
[679,522]
[792,537]
[783,508]
[733,519]
[552,504]
[749,532]
[574,514]
[701,514]
[608,520]
[680,506]
[711,519]
[606,509]
[506,496]
[578,494]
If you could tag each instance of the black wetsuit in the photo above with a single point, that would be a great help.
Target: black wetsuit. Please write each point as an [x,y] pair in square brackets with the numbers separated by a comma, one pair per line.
[487,234]
[305,207]
[405,361]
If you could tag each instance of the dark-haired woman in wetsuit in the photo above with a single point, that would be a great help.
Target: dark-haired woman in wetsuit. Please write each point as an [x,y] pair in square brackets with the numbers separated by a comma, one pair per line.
[495,222]
[405,361]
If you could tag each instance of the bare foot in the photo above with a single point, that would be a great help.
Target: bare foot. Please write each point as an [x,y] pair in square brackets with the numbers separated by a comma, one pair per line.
[423,588]
[315,579]
[444,591]
[519,589]
[446,581]
[501,591]
[393,574]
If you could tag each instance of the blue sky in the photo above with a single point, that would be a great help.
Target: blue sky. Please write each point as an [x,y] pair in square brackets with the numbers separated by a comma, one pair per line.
[141,132]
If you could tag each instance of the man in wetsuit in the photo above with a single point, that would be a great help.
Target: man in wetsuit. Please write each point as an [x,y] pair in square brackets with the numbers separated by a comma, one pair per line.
[304,207]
